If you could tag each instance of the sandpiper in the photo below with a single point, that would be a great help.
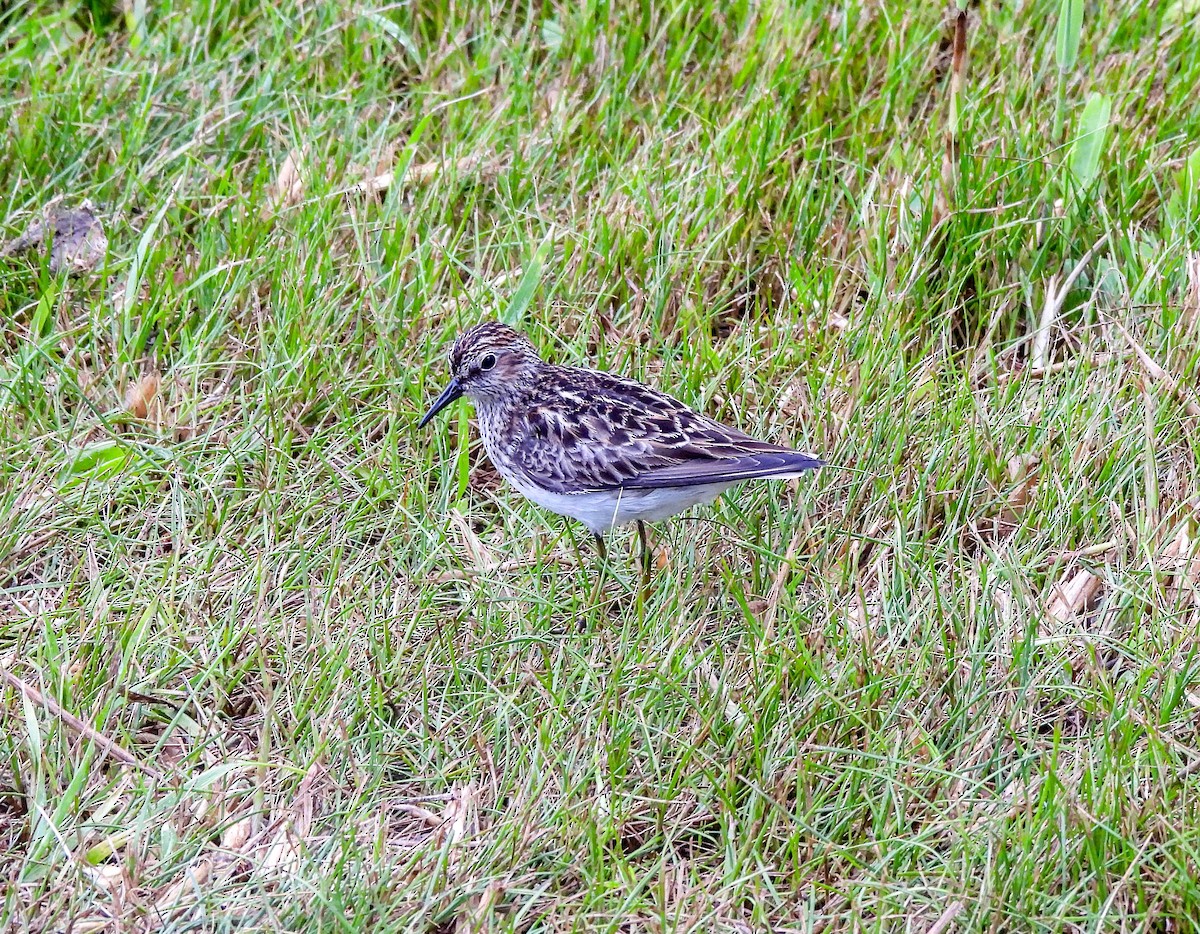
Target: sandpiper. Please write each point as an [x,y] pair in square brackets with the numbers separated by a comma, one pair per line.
[598,447]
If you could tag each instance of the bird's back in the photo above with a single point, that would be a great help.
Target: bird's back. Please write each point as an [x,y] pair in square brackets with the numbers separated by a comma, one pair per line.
[583,430]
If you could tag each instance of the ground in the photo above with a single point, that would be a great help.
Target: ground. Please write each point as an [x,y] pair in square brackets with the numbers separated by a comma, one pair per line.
[274,659]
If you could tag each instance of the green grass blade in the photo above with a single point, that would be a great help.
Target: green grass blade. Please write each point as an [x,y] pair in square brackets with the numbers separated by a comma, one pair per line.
[1090,139]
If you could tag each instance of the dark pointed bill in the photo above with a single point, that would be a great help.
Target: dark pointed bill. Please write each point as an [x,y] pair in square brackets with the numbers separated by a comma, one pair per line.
[449,394]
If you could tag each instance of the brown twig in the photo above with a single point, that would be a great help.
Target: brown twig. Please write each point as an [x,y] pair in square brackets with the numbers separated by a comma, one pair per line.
[1056,295]
[105,743]
[943,923]
[947,195]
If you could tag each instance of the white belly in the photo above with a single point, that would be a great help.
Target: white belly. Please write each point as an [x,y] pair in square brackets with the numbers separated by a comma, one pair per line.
[603,511]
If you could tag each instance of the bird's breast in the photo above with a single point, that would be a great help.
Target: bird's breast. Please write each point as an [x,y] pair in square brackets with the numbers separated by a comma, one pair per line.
[503,432]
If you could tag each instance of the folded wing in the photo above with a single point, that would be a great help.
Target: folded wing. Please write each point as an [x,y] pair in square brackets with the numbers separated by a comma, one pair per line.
[597,431]
[700,472]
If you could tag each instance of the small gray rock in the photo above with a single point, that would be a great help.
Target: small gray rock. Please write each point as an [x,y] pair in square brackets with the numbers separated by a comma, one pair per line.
[75,236]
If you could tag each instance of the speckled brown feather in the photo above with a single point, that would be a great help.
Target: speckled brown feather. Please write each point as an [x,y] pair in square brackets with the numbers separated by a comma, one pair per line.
[571,430]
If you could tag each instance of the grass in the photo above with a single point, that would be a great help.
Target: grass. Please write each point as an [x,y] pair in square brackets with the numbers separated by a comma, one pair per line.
[949,683]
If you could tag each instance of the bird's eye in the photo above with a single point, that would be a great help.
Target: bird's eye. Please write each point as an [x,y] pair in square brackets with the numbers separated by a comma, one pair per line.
[488,361]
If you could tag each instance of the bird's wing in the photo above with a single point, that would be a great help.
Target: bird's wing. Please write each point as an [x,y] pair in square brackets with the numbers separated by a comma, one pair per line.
[779,463]
[595,431]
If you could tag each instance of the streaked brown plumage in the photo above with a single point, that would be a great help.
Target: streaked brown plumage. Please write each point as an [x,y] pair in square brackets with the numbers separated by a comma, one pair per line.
[595,446]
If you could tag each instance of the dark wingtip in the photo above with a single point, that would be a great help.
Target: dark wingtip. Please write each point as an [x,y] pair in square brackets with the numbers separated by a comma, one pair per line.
[802,460]
[700,471]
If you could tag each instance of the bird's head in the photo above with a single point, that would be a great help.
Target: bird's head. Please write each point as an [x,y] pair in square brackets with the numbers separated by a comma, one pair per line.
[488,361]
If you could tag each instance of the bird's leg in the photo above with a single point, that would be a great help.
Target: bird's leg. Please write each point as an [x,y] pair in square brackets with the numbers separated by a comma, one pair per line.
[647,559]
[603,552]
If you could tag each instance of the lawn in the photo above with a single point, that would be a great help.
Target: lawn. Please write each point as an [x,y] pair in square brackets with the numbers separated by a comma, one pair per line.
[274,659]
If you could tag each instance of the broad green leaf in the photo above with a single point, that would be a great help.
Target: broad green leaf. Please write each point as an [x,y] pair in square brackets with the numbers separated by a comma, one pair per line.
[1089,141]
[39,38]
[1182,11]
[33,728]
[99,461]
[1182,206]
[1189,178]
[529,283]
[135,22]
[462,460]
[1109,281]
[108,847]
[43,314]
[405,157]
[1070,27]
[552,35]
[8,376]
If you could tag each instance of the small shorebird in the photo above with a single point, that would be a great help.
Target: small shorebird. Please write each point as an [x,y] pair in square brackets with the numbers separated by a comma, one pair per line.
[597,447]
